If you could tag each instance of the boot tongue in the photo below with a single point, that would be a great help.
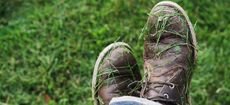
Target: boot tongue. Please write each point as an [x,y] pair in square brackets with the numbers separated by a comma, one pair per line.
[155,92]
[155,88]
[157,74]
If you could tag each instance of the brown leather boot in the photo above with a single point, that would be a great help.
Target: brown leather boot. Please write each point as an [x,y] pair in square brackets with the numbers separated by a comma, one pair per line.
[114,70]
[169,55]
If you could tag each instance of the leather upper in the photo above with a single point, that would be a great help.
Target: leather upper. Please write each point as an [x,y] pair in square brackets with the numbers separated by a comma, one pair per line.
[117,70]
[168,56]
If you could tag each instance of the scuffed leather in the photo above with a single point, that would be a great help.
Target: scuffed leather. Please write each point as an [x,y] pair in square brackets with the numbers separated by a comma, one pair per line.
[122,62]
[173,65]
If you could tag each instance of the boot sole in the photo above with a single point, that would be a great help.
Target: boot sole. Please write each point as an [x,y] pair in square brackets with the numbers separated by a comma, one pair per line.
[98,61]
[178,7]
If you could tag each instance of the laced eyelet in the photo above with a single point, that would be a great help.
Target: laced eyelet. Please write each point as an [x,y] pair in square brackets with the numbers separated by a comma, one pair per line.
[171,86]
[166,96]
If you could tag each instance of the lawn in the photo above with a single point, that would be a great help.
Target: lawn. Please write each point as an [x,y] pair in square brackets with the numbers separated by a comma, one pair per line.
[48,47]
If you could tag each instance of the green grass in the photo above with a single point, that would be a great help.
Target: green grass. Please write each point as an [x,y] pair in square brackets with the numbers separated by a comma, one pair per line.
[48,49]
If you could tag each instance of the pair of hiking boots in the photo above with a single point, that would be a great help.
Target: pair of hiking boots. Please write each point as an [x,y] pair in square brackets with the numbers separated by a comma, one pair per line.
[169,59]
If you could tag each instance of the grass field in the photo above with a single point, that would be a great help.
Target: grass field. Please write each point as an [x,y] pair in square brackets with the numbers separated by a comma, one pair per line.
[48,49]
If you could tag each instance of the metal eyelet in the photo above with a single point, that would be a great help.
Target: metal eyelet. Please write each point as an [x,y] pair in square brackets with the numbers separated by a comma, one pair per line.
[172,86]
[166,96]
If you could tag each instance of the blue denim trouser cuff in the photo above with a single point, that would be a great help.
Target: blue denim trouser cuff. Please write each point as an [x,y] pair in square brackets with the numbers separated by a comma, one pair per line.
[129,100]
